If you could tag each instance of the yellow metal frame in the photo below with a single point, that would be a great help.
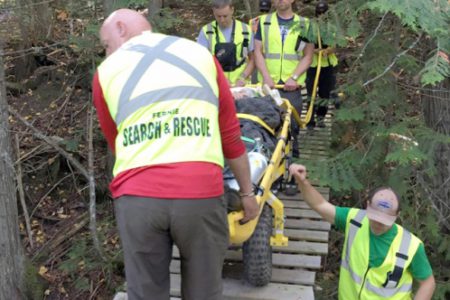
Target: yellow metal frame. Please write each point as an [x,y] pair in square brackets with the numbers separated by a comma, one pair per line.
[239,233]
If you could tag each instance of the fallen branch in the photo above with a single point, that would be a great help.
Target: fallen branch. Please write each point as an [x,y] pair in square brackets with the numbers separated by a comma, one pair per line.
[48,193]
[37,133]
[63,234]
[92,208]
[89,175]
[22,195]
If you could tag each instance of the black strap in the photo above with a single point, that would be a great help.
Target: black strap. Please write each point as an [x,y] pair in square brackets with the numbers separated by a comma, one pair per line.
[394,276]
[356,223]
[245,34]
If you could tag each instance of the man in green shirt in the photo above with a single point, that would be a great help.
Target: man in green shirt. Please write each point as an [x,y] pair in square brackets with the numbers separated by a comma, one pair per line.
[380,259]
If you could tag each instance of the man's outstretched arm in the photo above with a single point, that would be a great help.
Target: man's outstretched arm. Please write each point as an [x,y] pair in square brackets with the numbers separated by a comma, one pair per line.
[426,289]
[311,195]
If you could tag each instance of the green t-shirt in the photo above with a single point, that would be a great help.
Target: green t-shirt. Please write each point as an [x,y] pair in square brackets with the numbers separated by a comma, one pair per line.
[420,267]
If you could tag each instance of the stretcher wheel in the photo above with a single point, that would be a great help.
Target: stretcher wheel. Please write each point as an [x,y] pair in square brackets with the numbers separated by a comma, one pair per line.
[257,252]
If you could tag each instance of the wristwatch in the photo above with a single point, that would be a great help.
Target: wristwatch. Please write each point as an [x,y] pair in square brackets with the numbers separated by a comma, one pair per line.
[294,77]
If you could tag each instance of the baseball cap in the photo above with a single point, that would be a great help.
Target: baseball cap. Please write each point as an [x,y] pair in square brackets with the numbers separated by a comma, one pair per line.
[321,7]
[264,5]
[383,207]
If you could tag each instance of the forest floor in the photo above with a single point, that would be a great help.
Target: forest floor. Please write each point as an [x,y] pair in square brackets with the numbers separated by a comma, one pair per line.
[52,98]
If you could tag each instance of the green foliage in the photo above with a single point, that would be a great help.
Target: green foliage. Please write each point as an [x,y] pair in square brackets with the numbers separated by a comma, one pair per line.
[436,70]
[165,22]
[80,259]
[381,136]
[34,285]
[428,15]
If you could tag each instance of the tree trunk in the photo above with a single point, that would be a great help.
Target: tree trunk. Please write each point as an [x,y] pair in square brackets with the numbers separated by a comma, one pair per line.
[109,6]
[154,8]
[436,110]
[11,257]
[24,64]
[248,8]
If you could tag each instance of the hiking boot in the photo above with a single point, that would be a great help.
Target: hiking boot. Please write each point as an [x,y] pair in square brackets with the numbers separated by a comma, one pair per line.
[321,122]
[290,189]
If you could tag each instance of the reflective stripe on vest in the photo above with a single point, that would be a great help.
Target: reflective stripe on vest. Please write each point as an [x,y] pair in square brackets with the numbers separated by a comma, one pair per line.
[240,34]
[127,106]
[397,281]
[162,93]
[330,60]
[354,224]
[282,58]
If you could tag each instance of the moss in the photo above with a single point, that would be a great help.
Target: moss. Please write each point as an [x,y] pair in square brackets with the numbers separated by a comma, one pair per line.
[34,285]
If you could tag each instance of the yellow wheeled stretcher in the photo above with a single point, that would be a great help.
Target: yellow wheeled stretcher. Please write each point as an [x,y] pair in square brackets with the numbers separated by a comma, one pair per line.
[259,235]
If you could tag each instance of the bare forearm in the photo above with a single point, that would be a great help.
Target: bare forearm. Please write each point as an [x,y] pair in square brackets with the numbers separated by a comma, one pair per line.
[306,60]
[316,201]
[241,170]
[249,67]
[426,289]
[310,194]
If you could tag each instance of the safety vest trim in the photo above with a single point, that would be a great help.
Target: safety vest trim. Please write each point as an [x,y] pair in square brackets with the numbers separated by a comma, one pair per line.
[267,24]
[166,112]
[282,57]
[128,106]
[388,292]
[355,224]
[241,42]
[391,287]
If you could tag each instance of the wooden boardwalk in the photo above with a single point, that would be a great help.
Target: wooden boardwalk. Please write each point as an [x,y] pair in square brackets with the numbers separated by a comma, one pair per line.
[295,266]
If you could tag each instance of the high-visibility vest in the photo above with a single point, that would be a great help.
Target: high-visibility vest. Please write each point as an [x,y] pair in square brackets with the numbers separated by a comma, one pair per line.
[329,60]
[282,59]
[162,93]
[391,280]
[241,39]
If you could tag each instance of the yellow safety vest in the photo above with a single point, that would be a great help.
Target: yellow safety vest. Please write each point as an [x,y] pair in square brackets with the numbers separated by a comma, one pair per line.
[162,93]
[329,60]
[241,39]
[391,280]
[282,59]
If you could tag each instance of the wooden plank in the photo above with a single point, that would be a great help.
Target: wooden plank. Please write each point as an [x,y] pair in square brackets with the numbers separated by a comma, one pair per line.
[283,260]
[313,151]
[311,157]
[280,275]
[303,247]
[315,139]
[301,213]
[305,147]
[297,276]
[306,235]
[324,191]
[278,259]
[238,290]
[318,133]
[307,224]
[313,143]
[296,261]
[296,203]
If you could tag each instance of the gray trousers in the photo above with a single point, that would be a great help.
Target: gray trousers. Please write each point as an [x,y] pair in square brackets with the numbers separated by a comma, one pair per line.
[148,229]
